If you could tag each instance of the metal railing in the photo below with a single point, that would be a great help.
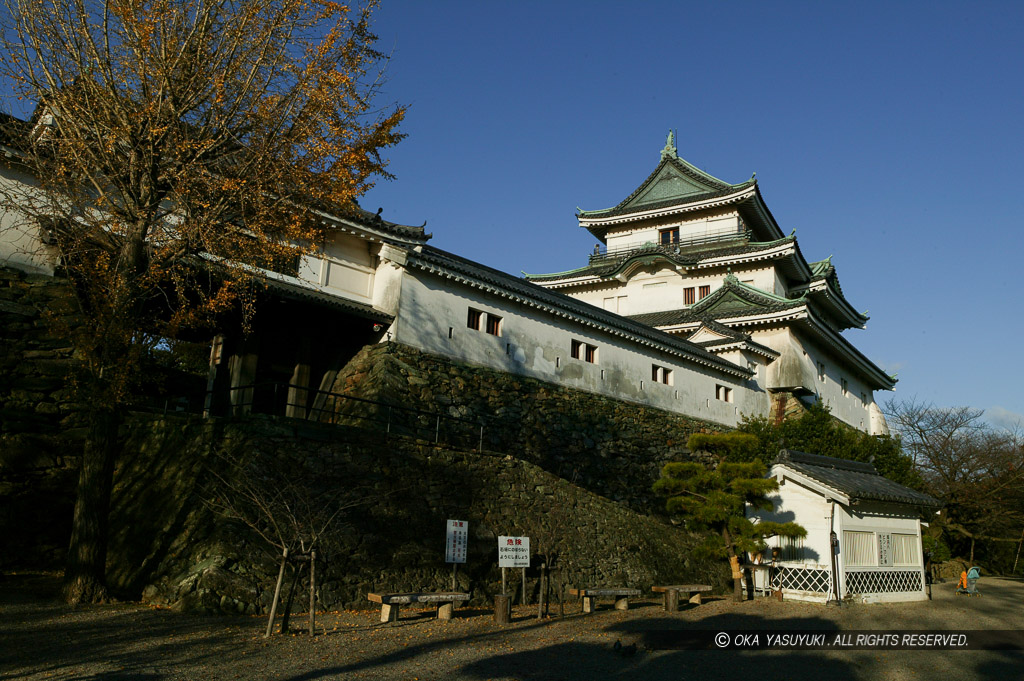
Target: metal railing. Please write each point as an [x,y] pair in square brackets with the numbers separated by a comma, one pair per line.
[294,401]
[603,254]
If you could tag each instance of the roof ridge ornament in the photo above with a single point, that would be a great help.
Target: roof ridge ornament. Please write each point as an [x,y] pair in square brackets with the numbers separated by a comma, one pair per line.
[670,151]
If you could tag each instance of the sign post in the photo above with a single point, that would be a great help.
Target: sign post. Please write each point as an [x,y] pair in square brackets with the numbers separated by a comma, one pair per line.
[514,552]
[456,543]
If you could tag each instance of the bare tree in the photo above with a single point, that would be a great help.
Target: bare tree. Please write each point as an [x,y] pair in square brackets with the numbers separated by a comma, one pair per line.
[976,469]
[179,147]
[294,508]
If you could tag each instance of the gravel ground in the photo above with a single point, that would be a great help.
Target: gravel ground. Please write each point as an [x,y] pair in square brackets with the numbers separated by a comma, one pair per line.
[40,639]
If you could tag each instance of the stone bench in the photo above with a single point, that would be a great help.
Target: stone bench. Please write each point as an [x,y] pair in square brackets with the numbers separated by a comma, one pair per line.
[389,603]
[671,594]
[621,597]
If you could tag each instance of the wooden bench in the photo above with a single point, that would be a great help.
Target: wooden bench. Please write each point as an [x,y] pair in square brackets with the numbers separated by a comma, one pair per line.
[621,597]
[671,594]
[389,603]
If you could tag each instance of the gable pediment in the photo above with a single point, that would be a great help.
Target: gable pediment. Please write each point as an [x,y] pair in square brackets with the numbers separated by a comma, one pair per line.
[706,335]
[669,184]
[730,301]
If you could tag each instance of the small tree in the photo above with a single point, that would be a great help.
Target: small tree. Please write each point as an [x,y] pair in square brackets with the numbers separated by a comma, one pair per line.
[292,505]
[715,498]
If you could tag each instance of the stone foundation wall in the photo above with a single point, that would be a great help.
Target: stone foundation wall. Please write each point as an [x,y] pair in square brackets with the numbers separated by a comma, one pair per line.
[170,546]
[40,434]
[613,448]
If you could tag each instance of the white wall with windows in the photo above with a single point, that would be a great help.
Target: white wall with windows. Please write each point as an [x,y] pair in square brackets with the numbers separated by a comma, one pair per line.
[441,316]
[835,383]
[677,230]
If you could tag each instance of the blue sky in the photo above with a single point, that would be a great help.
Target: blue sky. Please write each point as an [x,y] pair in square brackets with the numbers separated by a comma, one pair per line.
[887,134]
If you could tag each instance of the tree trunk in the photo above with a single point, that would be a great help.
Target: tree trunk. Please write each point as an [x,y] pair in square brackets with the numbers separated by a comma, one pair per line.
[734,566]
[85,573]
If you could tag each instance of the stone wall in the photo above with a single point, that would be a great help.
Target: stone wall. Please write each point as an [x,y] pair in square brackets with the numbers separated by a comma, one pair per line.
[168,545]
[613,448]
[40,434]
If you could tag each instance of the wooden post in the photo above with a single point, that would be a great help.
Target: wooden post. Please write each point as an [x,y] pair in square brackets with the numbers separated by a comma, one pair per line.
[504,582]
[277,595]
[298,386]
[540,592]
[242,367]
[455,569]
[525,602]
[671,600]
[503,608]
[312,593]
[1014,570]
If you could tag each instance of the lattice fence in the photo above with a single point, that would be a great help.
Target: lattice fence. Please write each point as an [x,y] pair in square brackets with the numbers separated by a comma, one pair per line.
[883,581]
[801,579]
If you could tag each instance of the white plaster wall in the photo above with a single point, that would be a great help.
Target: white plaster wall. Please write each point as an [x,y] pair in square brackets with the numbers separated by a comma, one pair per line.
[700,226]
[433,314]
[795,503]
[853,408]
[345,266]
[20,245]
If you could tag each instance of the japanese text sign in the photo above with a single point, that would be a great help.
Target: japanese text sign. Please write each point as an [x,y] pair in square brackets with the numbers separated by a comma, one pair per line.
[456,541]
[514,552]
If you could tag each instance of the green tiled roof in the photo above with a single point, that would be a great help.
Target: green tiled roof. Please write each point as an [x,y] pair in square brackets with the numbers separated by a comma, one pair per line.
[733,298]
[687,256]
[673,181]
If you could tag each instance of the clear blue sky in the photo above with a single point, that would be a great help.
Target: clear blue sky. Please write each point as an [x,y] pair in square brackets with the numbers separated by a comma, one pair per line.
[889,135]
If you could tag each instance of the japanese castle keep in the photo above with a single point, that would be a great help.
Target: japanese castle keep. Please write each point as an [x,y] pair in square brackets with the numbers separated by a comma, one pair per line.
[704,260]
[695,302]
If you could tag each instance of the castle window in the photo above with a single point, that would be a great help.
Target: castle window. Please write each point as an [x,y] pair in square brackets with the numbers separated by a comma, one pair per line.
[821,372]
[845,387]
[705,291]
[859,548]
[584,351]
[791,548]
[661,374]
[723,393]
[493,324]
[904,549]
[688,297]
[669,236]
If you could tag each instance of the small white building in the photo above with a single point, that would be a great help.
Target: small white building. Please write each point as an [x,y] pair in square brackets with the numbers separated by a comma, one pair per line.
[874,522]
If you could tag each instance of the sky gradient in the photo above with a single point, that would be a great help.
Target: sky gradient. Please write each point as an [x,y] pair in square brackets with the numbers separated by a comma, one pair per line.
[887,134]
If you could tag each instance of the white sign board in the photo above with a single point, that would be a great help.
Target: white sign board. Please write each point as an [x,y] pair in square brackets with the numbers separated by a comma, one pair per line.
[514,552]
[456,541]
[884,549]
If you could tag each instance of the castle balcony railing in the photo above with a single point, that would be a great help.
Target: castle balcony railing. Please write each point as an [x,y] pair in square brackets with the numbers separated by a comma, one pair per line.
[602,254]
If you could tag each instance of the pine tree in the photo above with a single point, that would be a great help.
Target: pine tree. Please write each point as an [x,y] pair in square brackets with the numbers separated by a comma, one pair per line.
[715,499]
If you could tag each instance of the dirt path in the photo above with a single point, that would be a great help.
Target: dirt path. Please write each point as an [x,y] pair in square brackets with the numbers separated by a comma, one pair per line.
[40,639]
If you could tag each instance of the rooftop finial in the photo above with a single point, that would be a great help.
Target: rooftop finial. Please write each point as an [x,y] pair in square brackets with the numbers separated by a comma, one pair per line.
[670,146]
